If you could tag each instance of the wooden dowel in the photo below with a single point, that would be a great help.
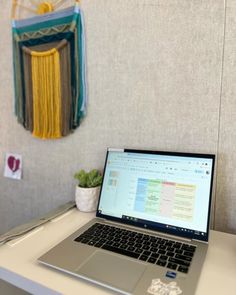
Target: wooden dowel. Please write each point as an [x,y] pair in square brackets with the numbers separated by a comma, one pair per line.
[29,51]
[15,3]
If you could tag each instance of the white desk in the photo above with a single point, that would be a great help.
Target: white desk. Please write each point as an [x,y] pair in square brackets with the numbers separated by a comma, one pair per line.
[19,267]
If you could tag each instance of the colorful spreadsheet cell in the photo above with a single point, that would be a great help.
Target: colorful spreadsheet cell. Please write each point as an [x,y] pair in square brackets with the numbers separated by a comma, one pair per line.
[166,199]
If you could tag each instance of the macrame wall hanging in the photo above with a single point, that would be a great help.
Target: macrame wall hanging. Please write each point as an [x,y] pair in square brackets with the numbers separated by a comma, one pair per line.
[49,66]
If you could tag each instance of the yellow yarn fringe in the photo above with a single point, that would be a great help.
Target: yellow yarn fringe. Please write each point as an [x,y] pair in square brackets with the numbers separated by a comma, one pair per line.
[46,86]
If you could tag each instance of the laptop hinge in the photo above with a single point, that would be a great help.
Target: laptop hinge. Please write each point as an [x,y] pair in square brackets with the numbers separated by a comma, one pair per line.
[195,240]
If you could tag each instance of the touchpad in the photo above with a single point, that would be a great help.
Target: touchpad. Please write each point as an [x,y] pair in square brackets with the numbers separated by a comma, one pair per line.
[112,270]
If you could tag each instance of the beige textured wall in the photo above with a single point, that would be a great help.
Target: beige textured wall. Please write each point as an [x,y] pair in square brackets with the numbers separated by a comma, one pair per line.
[154,76]
[226,183]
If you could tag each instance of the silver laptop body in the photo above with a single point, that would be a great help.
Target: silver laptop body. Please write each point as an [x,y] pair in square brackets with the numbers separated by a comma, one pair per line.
[150,234]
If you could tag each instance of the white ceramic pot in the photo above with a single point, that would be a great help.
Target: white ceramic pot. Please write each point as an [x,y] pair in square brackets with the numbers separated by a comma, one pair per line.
[86,199]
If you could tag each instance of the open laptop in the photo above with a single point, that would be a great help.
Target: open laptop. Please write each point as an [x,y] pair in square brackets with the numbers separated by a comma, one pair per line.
[151,228]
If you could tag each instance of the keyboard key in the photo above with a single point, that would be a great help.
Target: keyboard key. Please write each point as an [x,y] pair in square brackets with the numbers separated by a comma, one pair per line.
[179,261]
[155,245]
[192,248]
[123,242]
[85,241]
[170,249]
[183,269]
[139,251]
[145,247]
[143,257]
[170,254]
[161,252]
[83,236]
[177,245]
[138,245]
[117,245]
[163,257]
[190,254]
[78,239]
[179,251]
[147,253]
[131,239]
[153,239]
[111,238]
[172,265]
[123,246]
[98,244]
[187,247]
[187,258]
[161,262]
[152,260]
[131,248]
[155,255]
[120,251]
[162,247]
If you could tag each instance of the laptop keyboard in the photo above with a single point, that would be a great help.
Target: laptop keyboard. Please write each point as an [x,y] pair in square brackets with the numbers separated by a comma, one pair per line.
[155,250]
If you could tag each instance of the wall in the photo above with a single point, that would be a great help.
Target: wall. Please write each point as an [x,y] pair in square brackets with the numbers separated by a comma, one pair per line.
[226,184]
[160,77]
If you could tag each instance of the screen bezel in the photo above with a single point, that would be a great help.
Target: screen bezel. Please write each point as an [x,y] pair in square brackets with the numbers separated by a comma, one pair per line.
[154,225]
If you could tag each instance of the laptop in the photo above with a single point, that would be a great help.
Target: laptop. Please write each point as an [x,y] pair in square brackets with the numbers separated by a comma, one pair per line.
[150,233]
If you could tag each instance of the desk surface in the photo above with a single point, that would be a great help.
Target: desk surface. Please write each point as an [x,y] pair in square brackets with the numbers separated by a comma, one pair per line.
[19,267]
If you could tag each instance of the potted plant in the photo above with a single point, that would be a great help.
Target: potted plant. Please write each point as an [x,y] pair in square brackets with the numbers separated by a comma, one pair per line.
[87,190]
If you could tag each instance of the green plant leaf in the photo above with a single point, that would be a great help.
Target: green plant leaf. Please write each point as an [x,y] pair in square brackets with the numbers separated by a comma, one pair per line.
[92,178]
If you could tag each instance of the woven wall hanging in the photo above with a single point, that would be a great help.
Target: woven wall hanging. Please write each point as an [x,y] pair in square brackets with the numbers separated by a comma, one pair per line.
[49,68]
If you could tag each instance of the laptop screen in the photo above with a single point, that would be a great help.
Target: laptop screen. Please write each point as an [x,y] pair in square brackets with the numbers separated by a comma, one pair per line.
[169,192]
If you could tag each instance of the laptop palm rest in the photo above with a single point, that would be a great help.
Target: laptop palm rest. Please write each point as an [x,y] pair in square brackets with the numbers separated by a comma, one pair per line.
[110,269]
